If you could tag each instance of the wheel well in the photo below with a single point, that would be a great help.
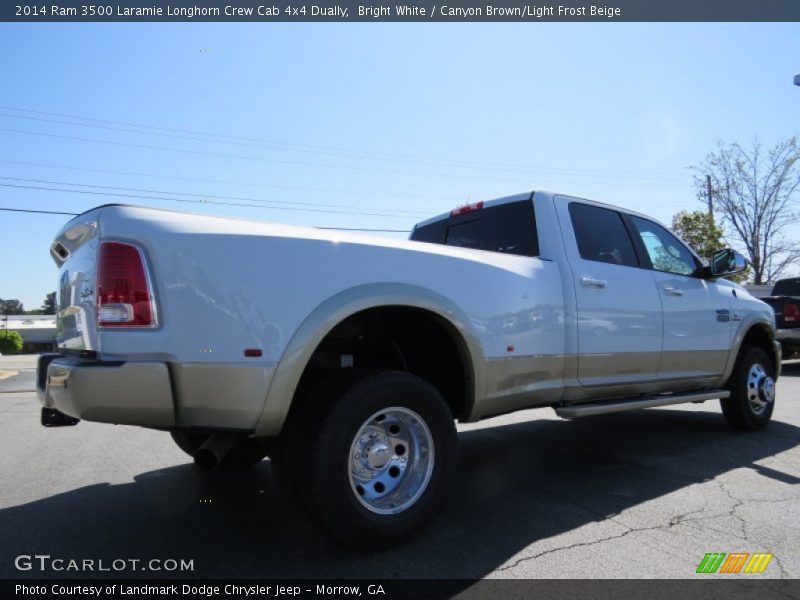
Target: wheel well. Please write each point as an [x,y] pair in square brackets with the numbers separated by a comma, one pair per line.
[759,337]
[398,338]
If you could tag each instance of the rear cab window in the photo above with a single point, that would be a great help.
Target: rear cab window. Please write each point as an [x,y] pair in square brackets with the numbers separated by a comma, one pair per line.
[508,228]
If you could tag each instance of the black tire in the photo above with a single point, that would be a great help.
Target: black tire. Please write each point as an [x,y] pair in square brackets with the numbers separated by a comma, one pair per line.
[293,447]
[746,408]
[245,453]
[422,487]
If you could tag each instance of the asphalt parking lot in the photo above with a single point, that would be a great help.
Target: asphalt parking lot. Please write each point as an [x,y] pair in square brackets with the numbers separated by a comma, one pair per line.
[634,495]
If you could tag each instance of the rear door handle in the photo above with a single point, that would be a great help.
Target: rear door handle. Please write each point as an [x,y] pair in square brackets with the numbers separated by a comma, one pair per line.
[671,291]
[592,282]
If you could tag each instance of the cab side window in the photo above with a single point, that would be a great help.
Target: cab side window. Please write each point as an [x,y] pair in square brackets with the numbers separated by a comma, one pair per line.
[601,235]
[665,251]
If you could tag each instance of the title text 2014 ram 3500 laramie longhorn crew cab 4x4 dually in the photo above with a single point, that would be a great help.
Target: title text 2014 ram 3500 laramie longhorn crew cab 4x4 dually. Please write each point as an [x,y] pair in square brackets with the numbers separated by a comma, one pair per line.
[347,358]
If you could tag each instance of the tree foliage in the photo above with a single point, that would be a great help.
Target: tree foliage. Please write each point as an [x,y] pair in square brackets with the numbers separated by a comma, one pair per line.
[49,304]
[701,232]
[11,307]
[10,342]
[15,307]
[753,192]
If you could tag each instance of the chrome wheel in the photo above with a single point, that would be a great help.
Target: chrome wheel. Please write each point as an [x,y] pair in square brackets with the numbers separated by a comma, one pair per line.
[760,388]
[391,460]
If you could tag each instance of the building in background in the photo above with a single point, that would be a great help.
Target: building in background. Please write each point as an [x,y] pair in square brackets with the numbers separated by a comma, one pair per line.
[38,331]
[760,291]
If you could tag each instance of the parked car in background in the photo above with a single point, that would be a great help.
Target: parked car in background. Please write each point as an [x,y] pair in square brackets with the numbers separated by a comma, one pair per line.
[785,300]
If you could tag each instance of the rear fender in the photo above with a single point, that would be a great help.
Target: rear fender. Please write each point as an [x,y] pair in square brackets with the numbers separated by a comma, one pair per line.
[349,302]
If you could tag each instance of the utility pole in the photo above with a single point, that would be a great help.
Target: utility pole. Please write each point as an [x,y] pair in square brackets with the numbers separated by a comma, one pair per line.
[709,198]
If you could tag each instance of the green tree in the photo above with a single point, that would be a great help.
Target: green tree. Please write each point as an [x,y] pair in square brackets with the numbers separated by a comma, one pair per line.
[11,307]
[700,231]
[10,342]
[754,193]
[49,305]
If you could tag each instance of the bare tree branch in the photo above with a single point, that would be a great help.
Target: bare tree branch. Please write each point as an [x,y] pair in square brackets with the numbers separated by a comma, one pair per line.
[755,197]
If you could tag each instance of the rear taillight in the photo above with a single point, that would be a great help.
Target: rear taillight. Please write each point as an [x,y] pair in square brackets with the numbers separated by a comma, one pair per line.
[791,312]
[124,295]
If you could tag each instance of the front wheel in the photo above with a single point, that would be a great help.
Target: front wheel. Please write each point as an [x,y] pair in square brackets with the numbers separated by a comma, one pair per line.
[383,461]
[752,388]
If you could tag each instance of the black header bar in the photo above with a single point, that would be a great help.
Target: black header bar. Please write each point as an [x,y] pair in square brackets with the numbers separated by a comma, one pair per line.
[411,11]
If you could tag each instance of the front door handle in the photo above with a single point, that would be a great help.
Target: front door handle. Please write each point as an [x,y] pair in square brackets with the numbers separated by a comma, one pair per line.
[671,291]
[592,282]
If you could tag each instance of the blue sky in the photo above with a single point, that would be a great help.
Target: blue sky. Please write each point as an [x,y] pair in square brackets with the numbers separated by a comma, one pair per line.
[401,121]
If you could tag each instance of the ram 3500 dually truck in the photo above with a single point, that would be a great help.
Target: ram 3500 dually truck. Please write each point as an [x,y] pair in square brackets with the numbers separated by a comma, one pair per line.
[346,358]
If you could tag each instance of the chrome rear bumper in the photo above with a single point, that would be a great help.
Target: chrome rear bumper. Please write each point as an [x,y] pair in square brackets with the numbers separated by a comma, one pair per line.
[127,393]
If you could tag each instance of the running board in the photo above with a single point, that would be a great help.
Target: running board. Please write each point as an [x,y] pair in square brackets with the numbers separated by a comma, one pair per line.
[601,408]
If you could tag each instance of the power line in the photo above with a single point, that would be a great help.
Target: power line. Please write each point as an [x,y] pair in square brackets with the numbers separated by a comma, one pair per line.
[190,131]
[294,162]
[190,201]
[40,212]
[270,203]
[53,212]
[247,157]
[266,144]
[229,182]
[362,229]
[329,150]
[433,162]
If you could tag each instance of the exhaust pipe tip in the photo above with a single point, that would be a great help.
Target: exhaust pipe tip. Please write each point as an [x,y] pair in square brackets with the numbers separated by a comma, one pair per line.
[206,460]
[213,451]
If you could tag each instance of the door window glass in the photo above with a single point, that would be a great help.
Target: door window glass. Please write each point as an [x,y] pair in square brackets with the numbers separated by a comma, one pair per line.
[601,235]
[666,252]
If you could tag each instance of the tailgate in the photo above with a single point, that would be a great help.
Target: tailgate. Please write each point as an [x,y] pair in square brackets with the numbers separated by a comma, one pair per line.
[75,252]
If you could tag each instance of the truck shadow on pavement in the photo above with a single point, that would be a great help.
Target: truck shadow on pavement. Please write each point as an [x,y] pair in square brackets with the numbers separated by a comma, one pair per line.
[518,483]
[791,369]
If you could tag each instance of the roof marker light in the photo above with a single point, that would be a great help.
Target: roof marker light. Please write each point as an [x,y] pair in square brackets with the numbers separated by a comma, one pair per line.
[467,208]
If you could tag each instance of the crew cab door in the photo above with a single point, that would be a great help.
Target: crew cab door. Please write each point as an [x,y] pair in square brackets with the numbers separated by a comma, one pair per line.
[697,312]
[620,323]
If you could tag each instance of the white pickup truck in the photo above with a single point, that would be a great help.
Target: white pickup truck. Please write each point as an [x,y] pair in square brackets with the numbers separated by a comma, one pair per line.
[346,358]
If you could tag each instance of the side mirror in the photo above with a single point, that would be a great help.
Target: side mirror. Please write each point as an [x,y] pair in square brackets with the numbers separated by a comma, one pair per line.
[726,262]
